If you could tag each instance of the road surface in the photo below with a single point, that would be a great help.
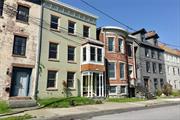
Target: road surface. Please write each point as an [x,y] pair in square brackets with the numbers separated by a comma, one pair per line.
[162,113]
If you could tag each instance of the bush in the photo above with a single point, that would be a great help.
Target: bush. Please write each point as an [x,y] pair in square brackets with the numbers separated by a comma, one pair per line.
[4,107]
[167,89]
[159,92]
[176,93]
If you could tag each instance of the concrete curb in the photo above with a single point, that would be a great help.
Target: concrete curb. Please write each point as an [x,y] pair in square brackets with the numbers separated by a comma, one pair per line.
[84,116]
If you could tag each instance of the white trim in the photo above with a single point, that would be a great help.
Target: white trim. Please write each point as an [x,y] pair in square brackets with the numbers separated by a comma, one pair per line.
[124,70]
[114,70]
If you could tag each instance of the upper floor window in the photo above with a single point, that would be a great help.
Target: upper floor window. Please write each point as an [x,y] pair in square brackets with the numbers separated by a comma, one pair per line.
[70,79]
[54,22]
[155,83]
[52,78]
[174,72]
[71,53]
[1,7]
[99,54]
[53,50]
[168,69]
[159,55]
[161,83]
[121,45]
[93,53]
[154,67]
[130,71]
[84,54]
[148,69]
[22,13]
[111,70]
[19,47]
[147,52]
[153,55]
[71,27]
[122,71]
[129,49]
[160,68]
[178,71]
[85,31]
[110,44]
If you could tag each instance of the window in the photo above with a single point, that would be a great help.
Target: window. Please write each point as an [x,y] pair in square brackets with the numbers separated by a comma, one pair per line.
[174,71]
[71,53]
[123,89]
[53,49]
[147,52]
[110,44]
[99,54]
[70,79]
[111,70]
[130,71]
[93,53]
[121,45]
[153,54]
[161,83]
[159,55]
[85,31]
[112,89]
[154,67]
[71,27]
[22,13]
[129,49]
[160,68]
[1,7]
[178,71]
[84,54]
[122,71]
[19,47]
[148,67]
[54,22]
[155,83]
[168,69]
[52,76]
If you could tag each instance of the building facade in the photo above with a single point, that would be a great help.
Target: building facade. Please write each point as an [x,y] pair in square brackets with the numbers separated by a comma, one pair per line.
[19,35]
[72,62]
[150,65]
[172,66]
[119,60]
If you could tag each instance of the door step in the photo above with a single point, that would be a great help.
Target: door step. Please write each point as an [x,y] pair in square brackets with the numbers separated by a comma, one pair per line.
[22,103]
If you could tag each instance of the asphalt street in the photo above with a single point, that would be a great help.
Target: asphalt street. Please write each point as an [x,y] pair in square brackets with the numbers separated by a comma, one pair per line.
[162,113]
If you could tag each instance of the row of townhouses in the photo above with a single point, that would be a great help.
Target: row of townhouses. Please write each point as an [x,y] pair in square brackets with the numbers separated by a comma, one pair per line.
[52,49]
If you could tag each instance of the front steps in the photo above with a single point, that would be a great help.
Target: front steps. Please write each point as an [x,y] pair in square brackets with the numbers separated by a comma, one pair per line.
[22,103]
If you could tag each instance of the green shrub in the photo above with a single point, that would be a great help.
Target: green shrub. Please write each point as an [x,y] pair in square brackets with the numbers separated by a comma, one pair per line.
[99,102]
[167,89]
[4,107]
[159,92]
[176,93]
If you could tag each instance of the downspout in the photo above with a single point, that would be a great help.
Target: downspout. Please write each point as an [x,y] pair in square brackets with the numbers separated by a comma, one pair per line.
[39,50]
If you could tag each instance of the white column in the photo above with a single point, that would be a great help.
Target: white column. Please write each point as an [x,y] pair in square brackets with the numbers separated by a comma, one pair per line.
[99,85]
[82,85]
[102,78]
[92,84]
[88,83]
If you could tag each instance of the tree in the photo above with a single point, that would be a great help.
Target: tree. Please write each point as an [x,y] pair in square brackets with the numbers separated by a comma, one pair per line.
[167,89]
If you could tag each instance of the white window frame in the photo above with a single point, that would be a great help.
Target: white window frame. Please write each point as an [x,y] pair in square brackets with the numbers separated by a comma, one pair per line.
[122,47]
[56,80]
[110,91]
[114,70]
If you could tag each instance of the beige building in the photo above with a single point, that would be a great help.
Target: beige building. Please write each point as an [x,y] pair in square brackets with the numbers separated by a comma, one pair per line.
[19,35]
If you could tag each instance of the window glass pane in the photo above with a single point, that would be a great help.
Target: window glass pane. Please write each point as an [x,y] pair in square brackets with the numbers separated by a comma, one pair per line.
[22,13]
[111,70]
[85,31]
[146,52]
[123,89]
[1,7]
[112,89]
[70,79]
[54,22]
[99,55]
[160,68]
[130,71]
[93,53]
[53,50]
[71,27]
[121,45]
[161,83]
[51,82]
[155,84]
[110,44]
[148,67]
[122,72]
[84,54]
[19,47]
[71,53]
[129,49]
[154,68]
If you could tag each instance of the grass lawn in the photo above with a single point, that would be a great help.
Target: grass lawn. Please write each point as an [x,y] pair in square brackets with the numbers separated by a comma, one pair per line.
[65,102]
[24,117]
[4,108]
[123,100]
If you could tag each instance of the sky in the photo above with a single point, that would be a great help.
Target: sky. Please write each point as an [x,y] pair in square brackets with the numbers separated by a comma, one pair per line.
[163,16]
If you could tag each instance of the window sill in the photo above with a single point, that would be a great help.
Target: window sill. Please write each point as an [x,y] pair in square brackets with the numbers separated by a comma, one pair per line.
[72,89]
[19,56]
[72,62]
[72,34]
[19,21]
[53,60]
[51,89]
[55,30]
[112,78]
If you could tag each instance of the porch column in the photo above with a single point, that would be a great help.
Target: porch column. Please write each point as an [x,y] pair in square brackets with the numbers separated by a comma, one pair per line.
[99,85]
[102,84]
[92,84]
[82,85]
[88,83]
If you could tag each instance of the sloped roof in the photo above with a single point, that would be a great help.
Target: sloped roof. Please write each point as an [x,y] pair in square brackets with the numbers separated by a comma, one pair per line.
[169,50]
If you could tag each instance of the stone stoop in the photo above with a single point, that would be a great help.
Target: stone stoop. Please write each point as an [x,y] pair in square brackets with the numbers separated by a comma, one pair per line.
[22,103]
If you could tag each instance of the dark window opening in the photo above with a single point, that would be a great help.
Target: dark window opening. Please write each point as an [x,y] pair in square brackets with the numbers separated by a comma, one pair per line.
[54,22]
[71,27]
[51,82]
[19,47]
[1,7]
[71,53]
[22,13]
[70,79]
[93,53]
[85,31]
[53,50]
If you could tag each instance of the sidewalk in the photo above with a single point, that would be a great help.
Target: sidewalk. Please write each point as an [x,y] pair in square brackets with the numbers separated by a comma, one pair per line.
[96,110]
